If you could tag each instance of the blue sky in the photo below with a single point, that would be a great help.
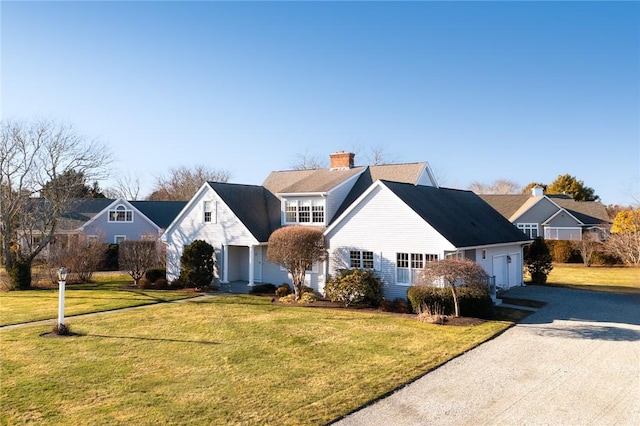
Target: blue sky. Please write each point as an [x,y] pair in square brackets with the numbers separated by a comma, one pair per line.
[482,91]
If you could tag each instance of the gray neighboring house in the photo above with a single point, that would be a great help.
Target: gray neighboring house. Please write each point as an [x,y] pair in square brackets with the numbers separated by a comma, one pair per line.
[554,217]
[113,221]
[124,220]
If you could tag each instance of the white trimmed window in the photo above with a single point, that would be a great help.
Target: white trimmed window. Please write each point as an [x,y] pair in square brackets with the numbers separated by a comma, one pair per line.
[120,214]
[119,238]
[530,229]
[359,259]
[304,211]
[209,209]
[409,265]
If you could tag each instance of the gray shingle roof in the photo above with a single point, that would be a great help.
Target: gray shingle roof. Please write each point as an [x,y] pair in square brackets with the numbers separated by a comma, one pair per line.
[321,180]
[161,213]
[462,217]
[256,207]
[80,211]
[588,212]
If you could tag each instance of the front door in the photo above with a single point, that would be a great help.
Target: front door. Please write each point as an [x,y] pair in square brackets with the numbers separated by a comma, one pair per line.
[257,264]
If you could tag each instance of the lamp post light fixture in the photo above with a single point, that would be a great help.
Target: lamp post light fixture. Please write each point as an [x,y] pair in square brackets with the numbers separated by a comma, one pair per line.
[62,280]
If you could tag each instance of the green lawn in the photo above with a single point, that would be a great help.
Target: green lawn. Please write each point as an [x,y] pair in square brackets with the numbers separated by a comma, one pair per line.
[106,293]
[600,278]
[222,360]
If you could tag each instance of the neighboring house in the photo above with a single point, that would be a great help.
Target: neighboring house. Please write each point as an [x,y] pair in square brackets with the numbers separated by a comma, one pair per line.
[131,220]
[554,217]
[390,218]
[113,221]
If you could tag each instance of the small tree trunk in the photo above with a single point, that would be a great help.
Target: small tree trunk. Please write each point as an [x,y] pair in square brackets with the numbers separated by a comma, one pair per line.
[456,305]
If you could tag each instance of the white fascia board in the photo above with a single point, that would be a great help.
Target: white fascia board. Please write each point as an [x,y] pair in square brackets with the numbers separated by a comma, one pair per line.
[546,222]
[301,194]
[184,211]
[484,246]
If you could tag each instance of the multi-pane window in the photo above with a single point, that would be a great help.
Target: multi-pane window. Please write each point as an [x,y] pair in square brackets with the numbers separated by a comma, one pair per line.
[120,214]
[361,259]
[409,265]
[530,229]
[317,211]
[417,263]
[208,207]
[304,211]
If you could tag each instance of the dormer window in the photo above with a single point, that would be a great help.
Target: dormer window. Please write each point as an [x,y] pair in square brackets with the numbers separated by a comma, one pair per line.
[304,211]
[120,214]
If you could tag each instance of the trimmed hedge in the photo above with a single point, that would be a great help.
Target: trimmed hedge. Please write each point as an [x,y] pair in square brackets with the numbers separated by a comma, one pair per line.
[474,302]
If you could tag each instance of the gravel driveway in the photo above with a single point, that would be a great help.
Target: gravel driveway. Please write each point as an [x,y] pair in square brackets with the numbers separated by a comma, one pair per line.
[574,362]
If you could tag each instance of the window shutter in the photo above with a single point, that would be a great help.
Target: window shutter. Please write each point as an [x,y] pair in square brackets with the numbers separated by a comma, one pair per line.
[376,261]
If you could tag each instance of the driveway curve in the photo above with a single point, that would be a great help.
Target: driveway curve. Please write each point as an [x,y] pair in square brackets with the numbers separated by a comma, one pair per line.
[574,362]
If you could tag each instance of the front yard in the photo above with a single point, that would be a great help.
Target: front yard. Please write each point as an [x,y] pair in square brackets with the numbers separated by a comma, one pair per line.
[222,360]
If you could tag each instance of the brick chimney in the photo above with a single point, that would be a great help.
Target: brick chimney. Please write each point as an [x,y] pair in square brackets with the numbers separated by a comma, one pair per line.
[342,160]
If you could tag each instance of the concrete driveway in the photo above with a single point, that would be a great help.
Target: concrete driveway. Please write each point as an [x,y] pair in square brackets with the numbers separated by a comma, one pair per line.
[574,362]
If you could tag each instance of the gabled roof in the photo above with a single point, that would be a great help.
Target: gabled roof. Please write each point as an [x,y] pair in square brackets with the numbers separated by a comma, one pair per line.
[323,180]
[461,217]
[513,206]
[587,212]
[256,207]
[507,205]
[404,173]
[161,213]
[320,180]
[81,211]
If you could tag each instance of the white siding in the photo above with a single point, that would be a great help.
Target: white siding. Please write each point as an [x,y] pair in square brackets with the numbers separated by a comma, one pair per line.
[226,230]
[384,225]
[336,196]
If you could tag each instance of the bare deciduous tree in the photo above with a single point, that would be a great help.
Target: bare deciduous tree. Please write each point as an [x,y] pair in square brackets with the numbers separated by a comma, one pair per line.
[82,256]
[307,161]
[500,186]
[180,184]
[126,186]
[587,245]
[136,257]
[33,155]
[453,273]
[296,248]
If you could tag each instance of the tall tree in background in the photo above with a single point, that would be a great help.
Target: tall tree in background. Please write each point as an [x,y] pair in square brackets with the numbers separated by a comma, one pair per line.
[180,184]
[296,248]
[36,157]
[567,184]
[74,183]
[500,186]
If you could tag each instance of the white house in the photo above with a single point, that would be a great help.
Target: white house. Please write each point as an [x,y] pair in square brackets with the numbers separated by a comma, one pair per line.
[391,218]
